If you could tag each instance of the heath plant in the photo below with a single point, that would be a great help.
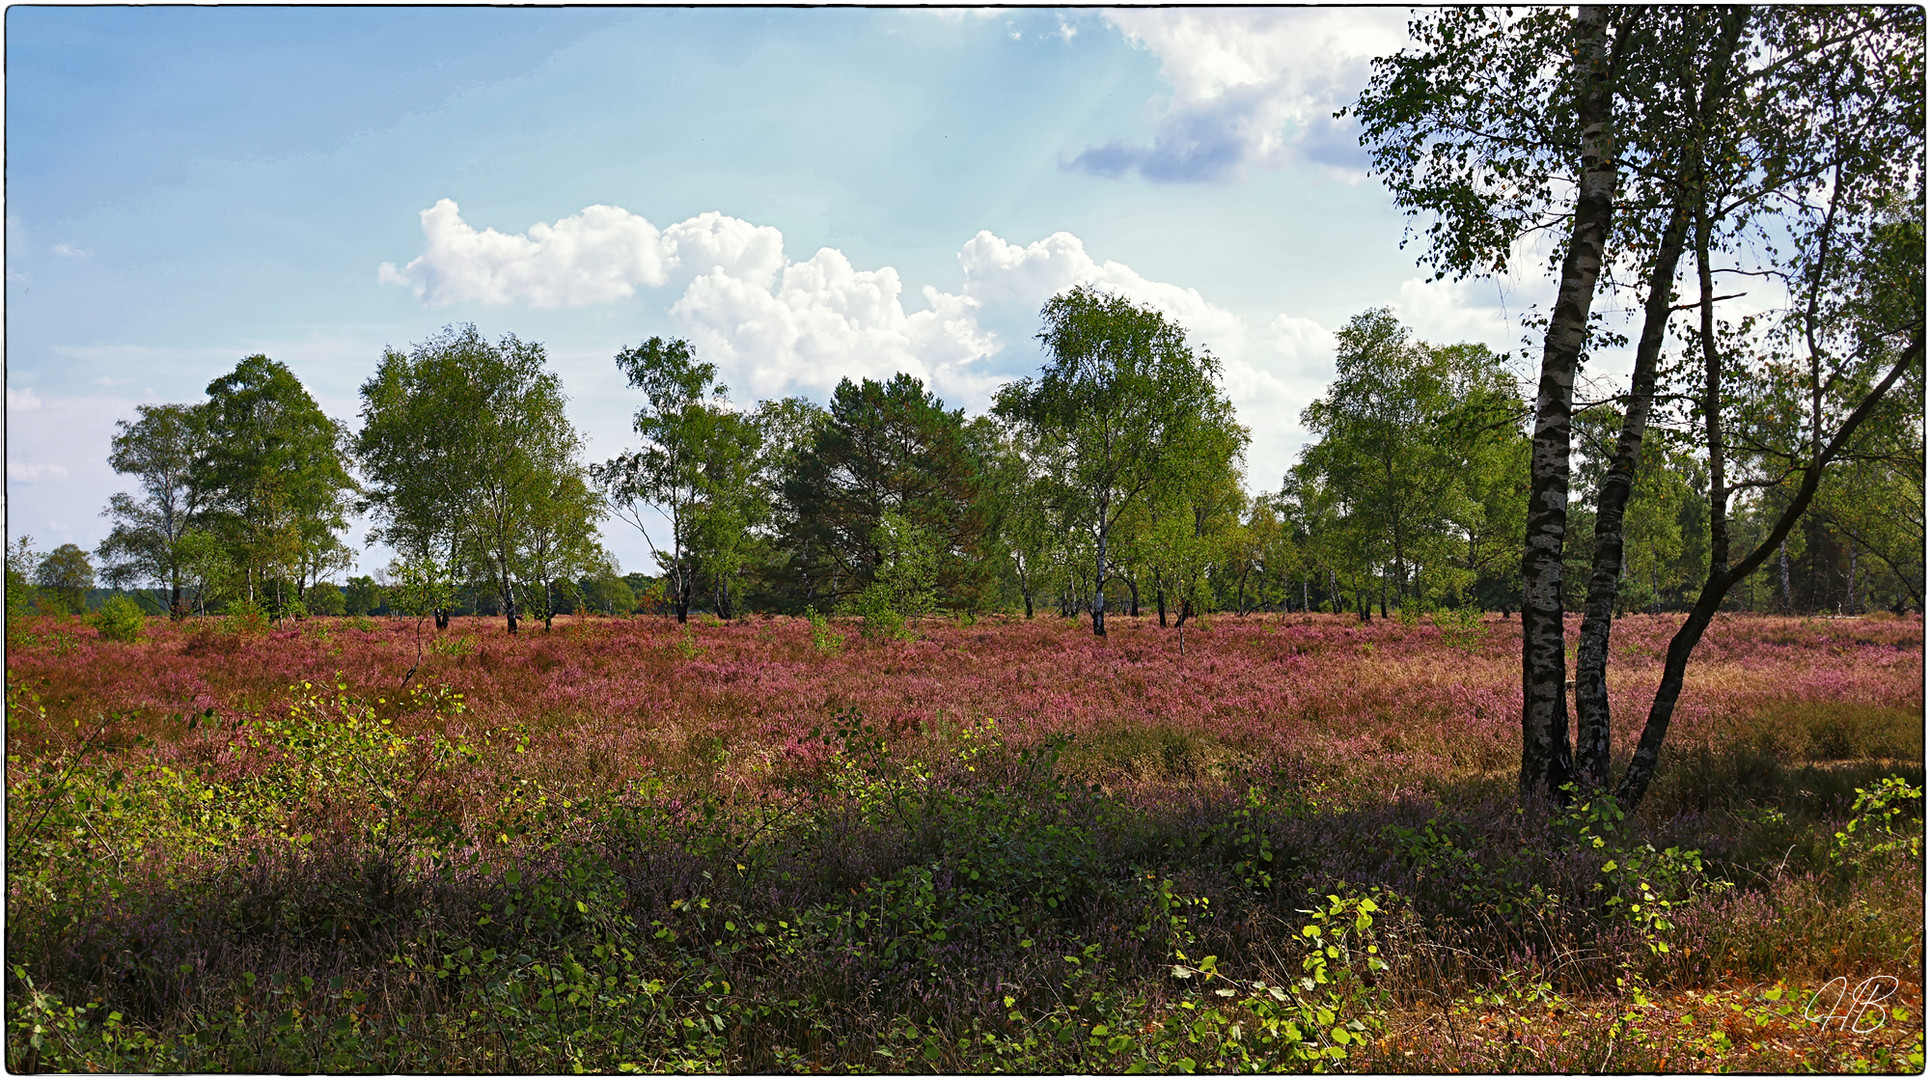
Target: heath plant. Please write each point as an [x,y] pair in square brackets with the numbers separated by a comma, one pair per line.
[1002,847]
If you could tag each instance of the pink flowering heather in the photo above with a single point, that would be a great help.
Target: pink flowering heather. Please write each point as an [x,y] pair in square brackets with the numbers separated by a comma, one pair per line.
[611,698]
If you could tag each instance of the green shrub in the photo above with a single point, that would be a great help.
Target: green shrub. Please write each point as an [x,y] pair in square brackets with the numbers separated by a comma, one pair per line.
[245,617]
[454,645]
[1872,835]
[1461,628]
[904,588]
[119,619]
[326,599]
[824,640]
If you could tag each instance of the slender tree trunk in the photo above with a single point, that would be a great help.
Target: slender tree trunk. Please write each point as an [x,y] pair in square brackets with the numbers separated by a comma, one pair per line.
[1851,586]
[1133,584]
[1641,770]
[1591,656]
[1545,754]
[1789,603]
[1099,583]
[1159,597]
[1712,402]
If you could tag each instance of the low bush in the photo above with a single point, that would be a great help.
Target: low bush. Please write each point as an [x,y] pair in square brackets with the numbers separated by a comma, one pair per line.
[119,618]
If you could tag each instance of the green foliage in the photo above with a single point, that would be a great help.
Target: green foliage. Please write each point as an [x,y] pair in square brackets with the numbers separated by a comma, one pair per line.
[698,467]
[1873,836]
[361,596]
[22,560]
[1461,628]
[1124,410]
[472,461]
[1639,885]
[419,587]
[245,618]
[326,598]
[272,479]
[903,586]
[886,450]
[608,594]
[1222,1024]
[825,641]
[119,619]
[454,645]
[64,575]
[1420,453]
[687,646]
[145,546]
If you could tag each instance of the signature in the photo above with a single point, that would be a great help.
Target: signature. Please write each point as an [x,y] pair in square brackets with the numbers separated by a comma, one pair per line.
[1859,1011]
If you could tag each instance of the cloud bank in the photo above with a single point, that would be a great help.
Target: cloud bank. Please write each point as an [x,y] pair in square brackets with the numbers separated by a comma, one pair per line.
[1249,85]
[775,325]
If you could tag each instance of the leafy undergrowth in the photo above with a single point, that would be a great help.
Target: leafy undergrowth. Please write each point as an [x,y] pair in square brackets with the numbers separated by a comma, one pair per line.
[344,877]
[1746,1028]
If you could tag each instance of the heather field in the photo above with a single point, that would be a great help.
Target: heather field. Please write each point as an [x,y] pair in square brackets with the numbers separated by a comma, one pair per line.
[358,845]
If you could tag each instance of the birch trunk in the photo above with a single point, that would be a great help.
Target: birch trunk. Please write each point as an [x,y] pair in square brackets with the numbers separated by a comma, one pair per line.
[1641,770]
[1545,754]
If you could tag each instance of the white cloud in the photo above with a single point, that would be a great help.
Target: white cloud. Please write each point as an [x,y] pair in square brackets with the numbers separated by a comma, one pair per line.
[23,473]
[1301,340]
[827,320]
[1444,312]
[713,243]
[1250,84]
[600,253]
[774,326]
[72,251]
[22,400]
[1005,274]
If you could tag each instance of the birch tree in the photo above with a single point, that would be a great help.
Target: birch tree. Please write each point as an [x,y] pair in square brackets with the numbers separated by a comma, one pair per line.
[159,449]
[1121,395]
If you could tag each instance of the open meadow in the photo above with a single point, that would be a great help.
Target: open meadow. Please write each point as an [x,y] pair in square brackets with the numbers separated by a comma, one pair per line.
[1008,845]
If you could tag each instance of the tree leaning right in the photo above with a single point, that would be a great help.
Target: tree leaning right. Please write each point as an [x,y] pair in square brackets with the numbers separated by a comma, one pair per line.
[1783,147]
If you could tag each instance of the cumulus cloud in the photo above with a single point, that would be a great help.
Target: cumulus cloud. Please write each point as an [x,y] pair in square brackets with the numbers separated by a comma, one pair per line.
[598,254]
[1249,85]
[1451,311]
[774,325]
[22,472]
[825,320]
[22,400]
[1002,274]
[712,243]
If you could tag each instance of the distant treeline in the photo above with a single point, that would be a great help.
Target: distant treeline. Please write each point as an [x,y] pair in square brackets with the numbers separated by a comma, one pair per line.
[1113,480]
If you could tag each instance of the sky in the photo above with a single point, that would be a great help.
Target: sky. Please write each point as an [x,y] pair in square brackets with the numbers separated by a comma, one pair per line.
[804,194]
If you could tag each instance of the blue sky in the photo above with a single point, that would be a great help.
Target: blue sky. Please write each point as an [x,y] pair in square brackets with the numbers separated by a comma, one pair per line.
[805,194]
